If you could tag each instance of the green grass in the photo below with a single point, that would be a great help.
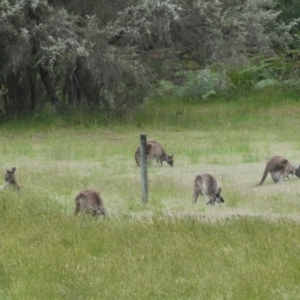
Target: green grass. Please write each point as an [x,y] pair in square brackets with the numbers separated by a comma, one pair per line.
[59,257]
[167,248]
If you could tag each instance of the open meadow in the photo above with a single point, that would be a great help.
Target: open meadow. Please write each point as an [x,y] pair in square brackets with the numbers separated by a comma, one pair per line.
[168,248]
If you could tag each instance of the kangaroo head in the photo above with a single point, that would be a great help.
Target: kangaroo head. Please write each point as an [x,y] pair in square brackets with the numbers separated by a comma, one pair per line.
[169,159]
[98,211]
[216,198]
[93,210]
[219,198]
[10,175]
[297,171]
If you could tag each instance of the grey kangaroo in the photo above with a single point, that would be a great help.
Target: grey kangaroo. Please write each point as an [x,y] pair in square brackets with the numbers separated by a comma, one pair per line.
[10,180]
[89,201]
[279,167]
[207,186]
[154,151]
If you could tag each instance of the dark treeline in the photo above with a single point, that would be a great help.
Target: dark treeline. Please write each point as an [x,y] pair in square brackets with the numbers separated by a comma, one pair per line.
[111,55]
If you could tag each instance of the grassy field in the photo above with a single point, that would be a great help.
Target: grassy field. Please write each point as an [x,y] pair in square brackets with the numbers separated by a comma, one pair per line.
[167,248]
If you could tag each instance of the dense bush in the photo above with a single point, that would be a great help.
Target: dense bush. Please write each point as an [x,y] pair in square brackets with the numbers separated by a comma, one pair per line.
[107,56]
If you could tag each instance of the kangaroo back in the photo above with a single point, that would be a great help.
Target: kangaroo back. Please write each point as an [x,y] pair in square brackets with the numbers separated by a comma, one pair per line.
[279,167]
[89,201]
[208,186]
[137,154]
[154,151]
[157,151]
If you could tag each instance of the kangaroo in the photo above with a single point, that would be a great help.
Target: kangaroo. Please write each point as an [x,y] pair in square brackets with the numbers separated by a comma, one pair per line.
[154,151]
[208,186]
[297,173]
[10,180]
[89,201]
[279,167]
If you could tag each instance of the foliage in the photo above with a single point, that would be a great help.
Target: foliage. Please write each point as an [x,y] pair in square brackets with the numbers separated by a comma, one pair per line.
[265,71]
[289,10]
[107,56]
[193,85]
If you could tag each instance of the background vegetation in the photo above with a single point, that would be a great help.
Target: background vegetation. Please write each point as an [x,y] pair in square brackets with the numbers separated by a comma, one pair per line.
[111,57]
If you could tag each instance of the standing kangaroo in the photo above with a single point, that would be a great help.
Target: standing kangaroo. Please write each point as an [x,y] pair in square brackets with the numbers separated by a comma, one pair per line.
[208,186]
[10,180]
[154,151]
[279,167]
[89,201]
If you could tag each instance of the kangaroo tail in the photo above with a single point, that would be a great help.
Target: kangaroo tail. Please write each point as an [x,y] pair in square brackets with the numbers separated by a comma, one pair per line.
[264,176]
[136,159]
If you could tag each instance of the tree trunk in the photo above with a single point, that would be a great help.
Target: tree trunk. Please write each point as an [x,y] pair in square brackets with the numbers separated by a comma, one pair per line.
[32,81]
[48,85]
[72,86]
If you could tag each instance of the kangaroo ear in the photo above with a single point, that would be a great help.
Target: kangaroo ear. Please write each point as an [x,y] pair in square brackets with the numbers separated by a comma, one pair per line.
[171,156]
[14,169]
[219,191]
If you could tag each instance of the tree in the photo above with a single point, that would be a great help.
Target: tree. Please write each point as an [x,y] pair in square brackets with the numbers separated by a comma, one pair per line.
[33,36]
[102,54]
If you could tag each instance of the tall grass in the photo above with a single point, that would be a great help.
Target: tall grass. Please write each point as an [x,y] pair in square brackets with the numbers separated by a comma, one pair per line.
[59,257]
[167,248]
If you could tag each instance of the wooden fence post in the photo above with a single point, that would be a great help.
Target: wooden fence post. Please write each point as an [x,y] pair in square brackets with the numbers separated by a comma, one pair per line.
[144,175]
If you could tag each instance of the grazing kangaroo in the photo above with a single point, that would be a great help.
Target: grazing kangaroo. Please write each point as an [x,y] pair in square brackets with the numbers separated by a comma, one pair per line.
[89,201]
[154,151]
[208,186]
[10,180]
[279,167]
